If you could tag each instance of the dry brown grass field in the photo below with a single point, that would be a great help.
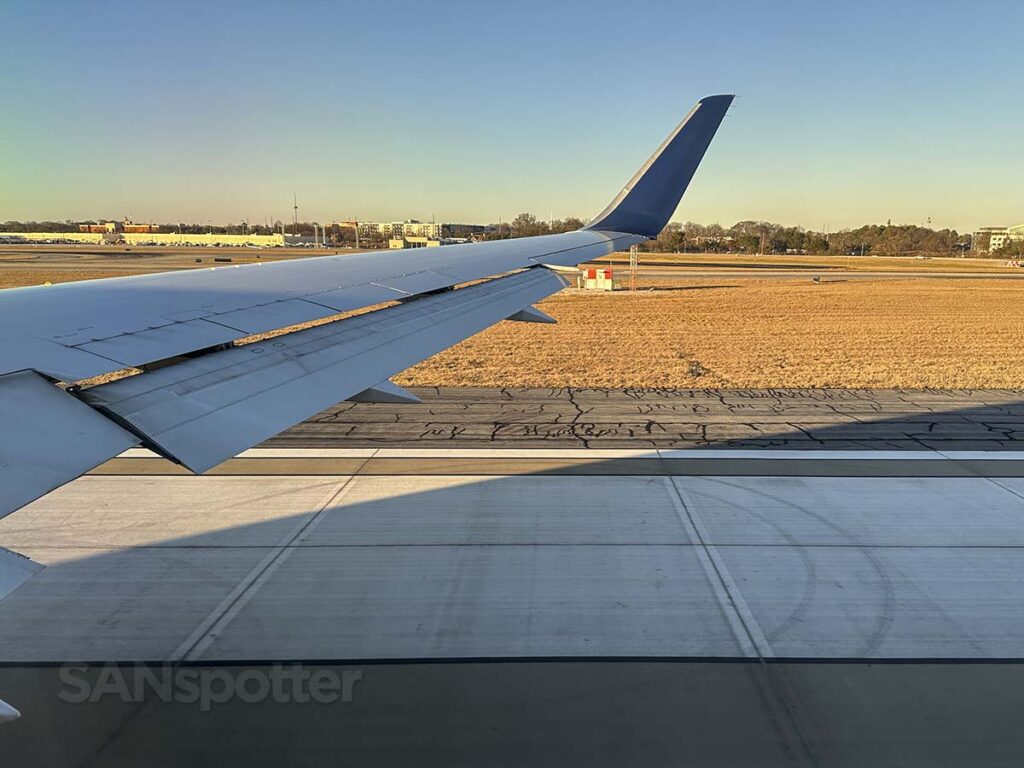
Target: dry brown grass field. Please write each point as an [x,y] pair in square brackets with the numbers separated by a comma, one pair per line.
[715,261]
[755,333]
[734,331]
[19,279]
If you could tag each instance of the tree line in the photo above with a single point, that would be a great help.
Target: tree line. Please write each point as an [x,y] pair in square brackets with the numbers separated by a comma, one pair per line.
[528,225]
[767,237]
[690,237]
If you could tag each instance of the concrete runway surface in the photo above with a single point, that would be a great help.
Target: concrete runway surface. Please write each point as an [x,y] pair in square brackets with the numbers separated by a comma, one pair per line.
[844,585]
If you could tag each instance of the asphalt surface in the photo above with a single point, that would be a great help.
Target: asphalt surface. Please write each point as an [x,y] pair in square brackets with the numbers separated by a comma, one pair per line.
[802,419]
[625,713]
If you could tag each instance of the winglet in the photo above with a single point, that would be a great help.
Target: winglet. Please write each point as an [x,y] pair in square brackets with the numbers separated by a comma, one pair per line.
[650,198]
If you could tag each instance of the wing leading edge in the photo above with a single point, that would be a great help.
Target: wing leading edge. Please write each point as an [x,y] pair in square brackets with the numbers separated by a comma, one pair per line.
[202,410]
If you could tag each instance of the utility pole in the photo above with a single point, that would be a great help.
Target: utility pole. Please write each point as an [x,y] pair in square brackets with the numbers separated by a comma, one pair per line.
[295,214]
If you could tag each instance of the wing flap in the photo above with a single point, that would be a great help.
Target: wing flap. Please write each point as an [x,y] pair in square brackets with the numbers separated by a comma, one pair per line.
[357,297]
[47,438]
[276,314]
[15,570]
[133,349]
[385,392]
[55,360]
[202,411]
[418,282]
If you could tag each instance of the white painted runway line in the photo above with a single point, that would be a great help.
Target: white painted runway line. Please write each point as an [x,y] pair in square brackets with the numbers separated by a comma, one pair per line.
[744,626]
[206,632]
[598,454]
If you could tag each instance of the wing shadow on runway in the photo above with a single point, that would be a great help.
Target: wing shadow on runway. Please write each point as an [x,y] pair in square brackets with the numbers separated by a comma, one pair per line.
[623,641]
[676,418]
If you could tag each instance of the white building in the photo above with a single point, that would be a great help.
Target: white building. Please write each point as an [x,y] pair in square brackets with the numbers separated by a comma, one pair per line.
[411,228]
[989,239]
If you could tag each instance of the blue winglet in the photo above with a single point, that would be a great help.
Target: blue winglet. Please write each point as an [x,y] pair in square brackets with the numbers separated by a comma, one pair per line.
[650,198]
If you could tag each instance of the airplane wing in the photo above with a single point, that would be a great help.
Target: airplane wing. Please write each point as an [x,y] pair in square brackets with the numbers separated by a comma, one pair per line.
[200,394]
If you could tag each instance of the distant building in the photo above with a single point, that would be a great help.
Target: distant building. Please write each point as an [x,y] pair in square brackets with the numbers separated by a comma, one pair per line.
[76,238]
[111,227]
[989,239]
[425,229]
[214,239]
[411,228]
[1015,233]
[414,242]
[139,228]
[981,240]
[103,228]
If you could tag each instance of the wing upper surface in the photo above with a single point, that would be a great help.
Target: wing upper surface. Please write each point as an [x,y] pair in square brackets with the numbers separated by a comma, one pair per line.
[205,410]
[75,331]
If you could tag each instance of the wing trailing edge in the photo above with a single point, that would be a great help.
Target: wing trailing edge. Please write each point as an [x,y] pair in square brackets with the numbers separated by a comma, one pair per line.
[203,411]
[48,437]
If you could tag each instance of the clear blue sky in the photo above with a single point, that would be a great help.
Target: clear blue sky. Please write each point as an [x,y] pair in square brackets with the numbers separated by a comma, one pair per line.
[469,111]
